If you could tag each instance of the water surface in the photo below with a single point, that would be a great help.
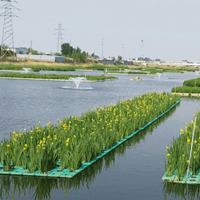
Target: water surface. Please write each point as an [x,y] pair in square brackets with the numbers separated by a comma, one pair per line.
[133,171]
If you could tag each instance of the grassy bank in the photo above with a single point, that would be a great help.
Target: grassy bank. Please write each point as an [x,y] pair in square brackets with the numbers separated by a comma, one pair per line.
[192,83]
[186,89]
[179,152]
[76,140]
[190,86]
[53,76]
[149,69]
[39,66]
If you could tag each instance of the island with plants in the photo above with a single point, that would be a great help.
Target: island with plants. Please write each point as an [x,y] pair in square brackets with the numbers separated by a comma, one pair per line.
[107,68]
[35,76]
[183,158]
[76,142]
[189,88]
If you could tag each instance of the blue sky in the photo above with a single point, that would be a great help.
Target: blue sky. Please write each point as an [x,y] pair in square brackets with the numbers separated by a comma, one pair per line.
[170,29]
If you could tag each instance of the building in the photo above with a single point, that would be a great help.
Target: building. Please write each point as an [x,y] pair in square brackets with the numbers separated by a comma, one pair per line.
[42,58]
[59,59]
[21,50]
[108,61]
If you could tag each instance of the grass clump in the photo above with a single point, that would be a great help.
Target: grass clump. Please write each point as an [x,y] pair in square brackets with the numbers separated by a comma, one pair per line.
[186,89]
[178,153]
[192,83]
[53,76]
[76,140]
[190,86]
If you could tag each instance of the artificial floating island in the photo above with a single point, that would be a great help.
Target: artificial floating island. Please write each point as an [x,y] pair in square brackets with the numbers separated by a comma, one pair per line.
[75,143]
[183,157]
[27,75]
[189,88]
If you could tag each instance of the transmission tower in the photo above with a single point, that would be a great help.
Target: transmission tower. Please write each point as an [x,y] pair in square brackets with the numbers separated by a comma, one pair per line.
[7,42]
[59,34]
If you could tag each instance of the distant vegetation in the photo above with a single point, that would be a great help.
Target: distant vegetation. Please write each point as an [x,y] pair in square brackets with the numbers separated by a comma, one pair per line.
[76,54]
[52,76]
[129,69]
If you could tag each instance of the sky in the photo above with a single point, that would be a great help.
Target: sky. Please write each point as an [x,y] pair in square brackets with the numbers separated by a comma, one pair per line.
[169,29]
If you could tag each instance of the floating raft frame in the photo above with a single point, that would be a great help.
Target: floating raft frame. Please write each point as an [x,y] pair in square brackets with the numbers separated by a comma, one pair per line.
[191,179]
[57,172]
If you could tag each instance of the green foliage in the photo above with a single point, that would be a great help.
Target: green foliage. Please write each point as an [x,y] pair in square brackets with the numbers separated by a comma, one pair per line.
[192,83]
[178,154]
[6,52]
[189,86]
[76,140]
[33,51]
[186,89]
[52,76]
[75,53]
[88,66]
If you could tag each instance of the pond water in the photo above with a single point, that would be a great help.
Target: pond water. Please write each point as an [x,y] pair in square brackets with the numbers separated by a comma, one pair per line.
[133,171]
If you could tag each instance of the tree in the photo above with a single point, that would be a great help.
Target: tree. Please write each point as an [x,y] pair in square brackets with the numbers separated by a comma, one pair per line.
[6,52]
[76,53]
[33,51]
[67,49]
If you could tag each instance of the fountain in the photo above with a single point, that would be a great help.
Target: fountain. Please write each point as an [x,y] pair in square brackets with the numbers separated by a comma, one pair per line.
[159,75]
[27,70]
[76,82]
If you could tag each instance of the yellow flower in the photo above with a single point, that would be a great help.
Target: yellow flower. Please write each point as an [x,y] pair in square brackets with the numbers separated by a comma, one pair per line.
[168,155]
[181,132]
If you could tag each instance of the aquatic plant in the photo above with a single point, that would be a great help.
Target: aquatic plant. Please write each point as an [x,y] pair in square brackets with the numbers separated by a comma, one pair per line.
[53,76]
[189,86]
[177,158]
[76,140]
[186,89]
[192,83]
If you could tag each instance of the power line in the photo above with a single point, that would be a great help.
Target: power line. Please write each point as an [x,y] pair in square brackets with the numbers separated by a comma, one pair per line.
[7,42]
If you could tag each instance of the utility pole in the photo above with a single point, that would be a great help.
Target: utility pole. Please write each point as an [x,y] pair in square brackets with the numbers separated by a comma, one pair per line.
[31,47]
[123,51]
[142,48]
[7,42]
[59,34]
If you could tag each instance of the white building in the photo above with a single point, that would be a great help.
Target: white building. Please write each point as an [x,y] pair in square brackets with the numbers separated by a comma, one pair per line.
[43,58]
[21,50]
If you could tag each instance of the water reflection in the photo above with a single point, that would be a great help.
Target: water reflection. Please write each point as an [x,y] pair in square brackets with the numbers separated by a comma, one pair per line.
[181,191]
[15,187]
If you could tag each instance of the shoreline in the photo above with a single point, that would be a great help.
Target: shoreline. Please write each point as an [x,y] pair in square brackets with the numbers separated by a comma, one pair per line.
[39,79]
[186,94]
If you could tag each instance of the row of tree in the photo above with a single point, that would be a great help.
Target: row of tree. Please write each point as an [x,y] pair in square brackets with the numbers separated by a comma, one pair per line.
[71,54]
[75,53]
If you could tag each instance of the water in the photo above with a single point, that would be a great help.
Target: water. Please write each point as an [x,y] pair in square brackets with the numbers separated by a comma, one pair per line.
[133,171]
